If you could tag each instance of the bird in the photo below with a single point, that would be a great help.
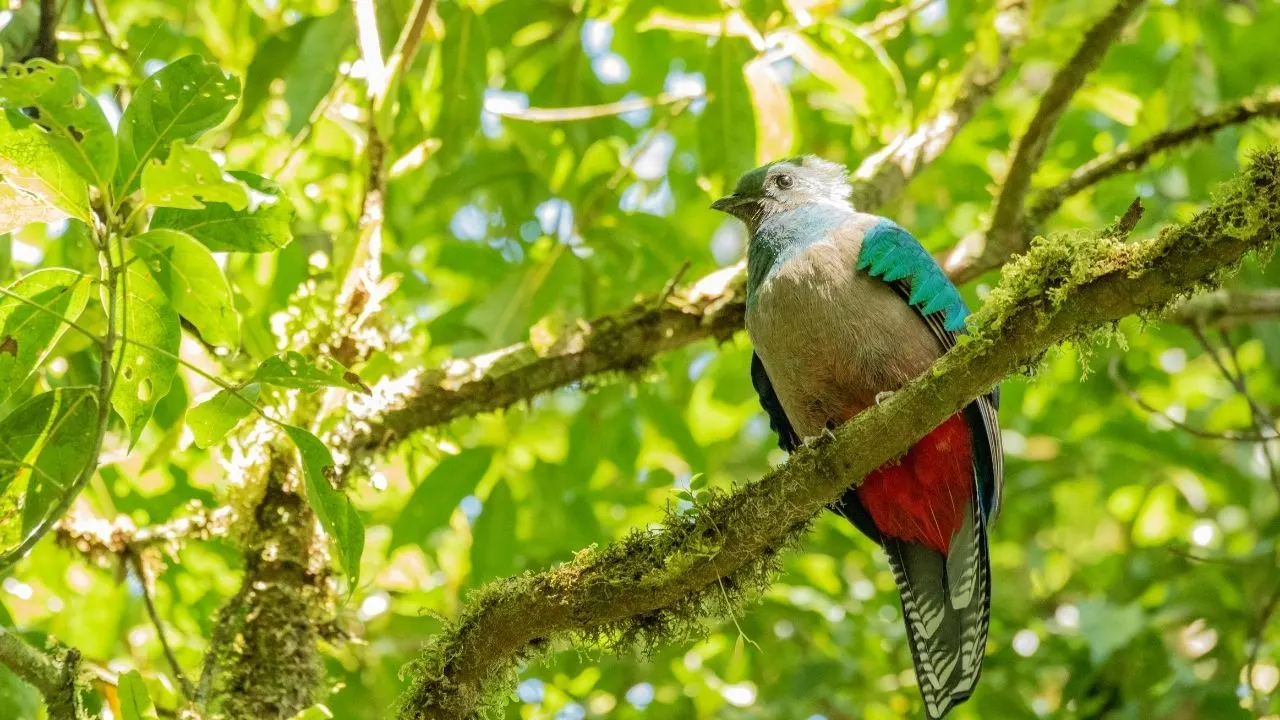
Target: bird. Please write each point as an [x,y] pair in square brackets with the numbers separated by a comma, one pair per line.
[843,308]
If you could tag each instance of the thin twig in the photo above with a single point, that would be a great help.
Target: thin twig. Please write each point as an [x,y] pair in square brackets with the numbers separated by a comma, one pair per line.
[1007,219]
[108,31]
[1117,378]
[135,560]
[1257,415]
[592,112]
[1258,636]
[890,20]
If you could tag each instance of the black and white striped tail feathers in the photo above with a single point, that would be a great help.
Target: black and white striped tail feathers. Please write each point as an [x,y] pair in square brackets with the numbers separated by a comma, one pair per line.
[946,605]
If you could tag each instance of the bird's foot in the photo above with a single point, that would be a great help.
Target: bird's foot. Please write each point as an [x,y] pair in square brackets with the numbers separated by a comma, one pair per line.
[828,430]
[882,396]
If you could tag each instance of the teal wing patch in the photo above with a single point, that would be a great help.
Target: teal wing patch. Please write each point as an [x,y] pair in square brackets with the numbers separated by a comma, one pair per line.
[891,253]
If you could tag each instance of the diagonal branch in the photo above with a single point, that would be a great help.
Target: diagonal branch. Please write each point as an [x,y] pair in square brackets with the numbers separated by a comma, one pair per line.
[651,585]
[625,341]
[1007,218]
[1129,159]
[885,174]
[56,679]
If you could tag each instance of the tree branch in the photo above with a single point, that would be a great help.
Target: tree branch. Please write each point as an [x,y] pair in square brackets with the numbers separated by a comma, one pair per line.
[883,175]
[56,680]
[1007,218]
[1128,159]
[712,308]
[1229,307]
[654,585]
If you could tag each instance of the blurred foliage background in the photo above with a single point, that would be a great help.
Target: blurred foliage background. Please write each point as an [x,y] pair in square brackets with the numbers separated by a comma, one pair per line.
[553,160]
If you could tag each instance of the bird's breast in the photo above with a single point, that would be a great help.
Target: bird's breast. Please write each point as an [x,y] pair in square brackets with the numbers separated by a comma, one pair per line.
[831,337]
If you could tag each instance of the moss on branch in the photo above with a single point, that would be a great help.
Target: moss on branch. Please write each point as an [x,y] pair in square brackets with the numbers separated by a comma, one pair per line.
[656,587]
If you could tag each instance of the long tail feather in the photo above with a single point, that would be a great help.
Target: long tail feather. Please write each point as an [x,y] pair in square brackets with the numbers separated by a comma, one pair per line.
[946,603]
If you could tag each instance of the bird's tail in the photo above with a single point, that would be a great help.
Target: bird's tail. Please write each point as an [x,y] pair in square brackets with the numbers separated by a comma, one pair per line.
[946,602]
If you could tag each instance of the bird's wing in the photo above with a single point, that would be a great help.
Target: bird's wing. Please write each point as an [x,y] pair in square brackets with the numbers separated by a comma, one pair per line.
[892,254]
[787,438]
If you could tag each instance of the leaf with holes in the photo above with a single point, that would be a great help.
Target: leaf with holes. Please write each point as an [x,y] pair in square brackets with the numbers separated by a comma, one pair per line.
[181,101]
[150,334]
[78,128]
[292,370]
[29,162]
[48,441]
[27,333]
[193,282]
[188,179]
[337,515]
[263,226]
[211,420]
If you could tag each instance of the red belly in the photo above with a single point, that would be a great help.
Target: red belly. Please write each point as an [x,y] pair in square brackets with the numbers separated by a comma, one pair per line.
[922,497]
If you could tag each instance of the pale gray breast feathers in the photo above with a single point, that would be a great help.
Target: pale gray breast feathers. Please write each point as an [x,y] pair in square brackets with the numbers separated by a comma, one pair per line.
[831,337]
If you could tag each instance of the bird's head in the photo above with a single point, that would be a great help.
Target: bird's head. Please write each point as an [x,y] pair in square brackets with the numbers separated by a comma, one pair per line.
[785,185]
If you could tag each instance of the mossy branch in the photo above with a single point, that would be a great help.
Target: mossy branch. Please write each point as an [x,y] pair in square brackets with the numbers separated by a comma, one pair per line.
[655,587]
[55,678]
[713,307]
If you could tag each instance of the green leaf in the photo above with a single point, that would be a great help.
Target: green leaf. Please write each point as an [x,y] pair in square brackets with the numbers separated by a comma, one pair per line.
[864,78]
[463,65]
[494,536]
[19,208]
[263,226]
[727,130]
[28,161]
[78,129]
[211,420]
[337,515]
[436,497]
[292,370]
[775,116]
[27,334]
[144,314]
[313,71]
[48,441]
[181,101]
[188,177]
[315,712]
[135,701]
[1109,627]
[193,282]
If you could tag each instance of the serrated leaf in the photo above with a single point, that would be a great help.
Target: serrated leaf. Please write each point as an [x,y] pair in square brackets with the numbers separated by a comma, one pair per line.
[135,701]
[435,498]
[494,536]
[29,162]
[292,370]
[263,226]
[211,420]
[48,441]
[78,129]
[727,130]
[181,101]
[463,62]
[775,116]
[337,515]
[188,179]
[144,314]
[27,334]
[193,282]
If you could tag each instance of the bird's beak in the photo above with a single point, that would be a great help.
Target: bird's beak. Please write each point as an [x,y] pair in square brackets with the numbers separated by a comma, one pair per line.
[727,203]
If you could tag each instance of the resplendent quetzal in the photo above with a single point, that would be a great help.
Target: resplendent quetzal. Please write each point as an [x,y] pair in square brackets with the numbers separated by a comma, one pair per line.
[842,308]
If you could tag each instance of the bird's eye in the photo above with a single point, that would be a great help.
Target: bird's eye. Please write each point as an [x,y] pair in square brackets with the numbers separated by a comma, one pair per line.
[784,182]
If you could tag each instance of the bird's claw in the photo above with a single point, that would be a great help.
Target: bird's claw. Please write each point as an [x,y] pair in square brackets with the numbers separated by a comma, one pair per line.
[882,396]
